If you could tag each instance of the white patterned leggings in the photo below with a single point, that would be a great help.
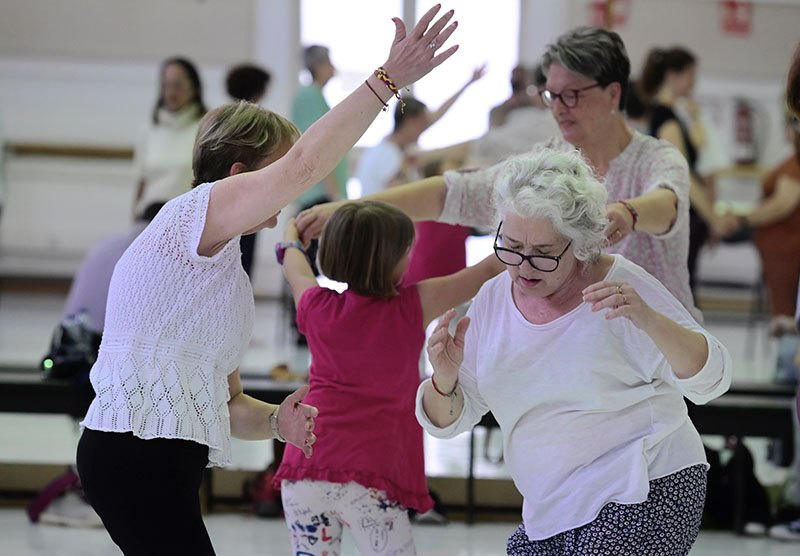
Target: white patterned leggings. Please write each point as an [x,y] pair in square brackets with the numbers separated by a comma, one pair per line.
[316,512]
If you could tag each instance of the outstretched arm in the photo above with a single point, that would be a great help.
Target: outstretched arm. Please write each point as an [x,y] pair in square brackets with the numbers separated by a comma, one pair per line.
[244,201]
[420,200]
[437,295]
[435,116]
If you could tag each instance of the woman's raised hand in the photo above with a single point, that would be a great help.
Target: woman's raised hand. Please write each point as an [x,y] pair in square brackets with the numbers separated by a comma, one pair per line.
[446,352]
[414,54]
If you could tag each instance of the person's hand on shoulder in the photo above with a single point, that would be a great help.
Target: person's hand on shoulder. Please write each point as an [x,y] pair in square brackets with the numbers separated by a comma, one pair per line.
[311,221]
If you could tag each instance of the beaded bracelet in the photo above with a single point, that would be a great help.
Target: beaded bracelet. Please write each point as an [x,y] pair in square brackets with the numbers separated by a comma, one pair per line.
[385,106]
[634,214]
[452,395]
[381,74]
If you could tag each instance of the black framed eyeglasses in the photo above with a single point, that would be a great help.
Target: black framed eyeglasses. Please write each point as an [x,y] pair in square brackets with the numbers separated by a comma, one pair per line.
[568,97]
[544,263]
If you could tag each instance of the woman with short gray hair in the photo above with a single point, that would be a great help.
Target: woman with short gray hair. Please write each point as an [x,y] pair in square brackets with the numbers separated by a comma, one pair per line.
[584,359]
[647,180]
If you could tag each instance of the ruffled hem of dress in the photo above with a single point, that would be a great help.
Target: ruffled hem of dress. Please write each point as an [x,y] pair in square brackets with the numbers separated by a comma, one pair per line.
[420,502]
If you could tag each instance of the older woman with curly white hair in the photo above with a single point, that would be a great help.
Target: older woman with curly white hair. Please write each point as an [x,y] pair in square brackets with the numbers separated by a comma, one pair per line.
[584,359]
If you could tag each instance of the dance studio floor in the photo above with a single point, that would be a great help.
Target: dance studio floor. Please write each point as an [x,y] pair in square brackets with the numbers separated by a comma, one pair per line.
[27,320]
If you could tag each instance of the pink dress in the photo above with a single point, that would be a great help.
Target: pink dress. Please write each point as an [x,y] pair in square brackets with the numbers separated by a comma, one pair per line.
[364,377]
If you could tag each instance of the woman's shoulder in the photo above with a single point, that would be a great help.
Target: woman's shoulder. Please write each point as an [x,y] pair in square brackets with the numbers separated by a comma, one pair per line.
[625,270]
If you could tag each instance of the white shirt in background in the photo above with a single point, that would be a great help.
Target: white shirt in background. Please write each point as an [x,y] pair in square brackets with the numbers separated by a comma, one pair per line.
[163,157]
[378,166]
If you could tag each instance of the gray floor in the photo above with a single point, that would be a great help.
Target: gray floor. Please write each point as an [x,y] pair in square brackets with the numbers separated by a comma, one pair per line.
[26,322]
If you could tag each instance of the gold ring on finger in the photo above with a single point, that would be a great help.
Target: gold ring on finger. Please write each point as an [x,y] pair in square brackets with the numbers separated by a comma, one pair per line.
[624,299]
[619,289]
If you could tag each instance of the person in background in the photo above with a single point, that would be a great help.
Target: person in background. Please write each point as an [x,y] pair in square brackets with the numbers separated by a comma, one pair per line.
[584,359]
[775,222]
[775,225]
[308,106]
[637,115]
[247,82]
[396,159]
[180,314]
[368,466]
[74,350]
[669,75]
[791,529]
[162,160]
[523,93]
[524,123]
[647,180]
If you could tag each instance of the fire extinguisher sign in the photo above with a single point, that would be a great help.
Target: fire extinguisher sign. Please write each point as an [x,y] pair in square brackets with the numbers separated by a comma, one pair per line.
[736,17]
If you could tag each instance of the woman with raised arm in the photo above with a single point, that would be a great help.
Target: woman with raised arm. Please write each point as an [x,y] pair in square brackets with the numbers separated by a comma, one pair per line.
[180,313]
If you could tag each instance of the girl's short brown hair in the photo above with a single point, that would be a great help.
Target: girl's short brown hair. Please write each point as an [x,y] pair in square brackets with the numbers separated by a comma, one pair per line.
[361,244]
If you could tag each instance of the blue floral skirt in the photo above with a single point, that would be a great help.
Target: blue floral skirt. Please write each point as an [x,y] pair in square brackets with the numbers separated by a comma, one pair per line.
[666,524]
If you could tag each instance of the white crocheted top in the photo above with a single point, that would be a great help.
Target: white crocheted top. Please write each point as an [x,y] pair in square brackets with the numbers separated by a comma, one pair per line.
[176,326]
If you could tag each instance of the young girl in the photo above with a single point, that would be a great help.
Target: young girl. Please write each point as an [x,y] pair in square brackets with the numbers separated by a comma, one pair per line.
[368,464]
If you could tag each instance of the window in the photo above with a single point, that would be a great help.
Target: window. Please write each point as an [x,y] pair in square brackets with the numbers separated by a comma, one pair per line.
[359,34]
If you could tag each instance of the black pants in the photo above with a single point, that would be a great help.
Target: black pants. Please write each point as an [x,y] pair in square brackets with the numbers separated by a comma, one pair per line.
[146,491]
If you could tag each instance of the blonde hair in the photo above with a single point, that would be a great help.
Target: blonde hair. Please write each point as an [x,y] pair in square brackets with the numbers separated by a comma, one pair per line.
[237,132]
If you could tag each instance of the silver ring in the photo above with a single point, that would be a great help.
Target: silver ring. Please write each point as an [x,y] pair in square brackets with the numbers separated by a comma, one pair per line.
[432,45]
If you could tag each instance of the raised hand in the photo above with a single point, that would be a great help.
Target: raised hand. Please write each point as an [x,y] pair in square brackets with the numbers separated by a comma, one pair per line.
[296,421]
[622,300]
[414,54]
[446,352]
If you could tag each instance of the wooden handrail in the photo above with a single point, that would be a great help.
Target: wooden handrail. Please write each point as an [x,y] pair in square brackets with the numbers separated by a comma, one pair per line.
[74,151]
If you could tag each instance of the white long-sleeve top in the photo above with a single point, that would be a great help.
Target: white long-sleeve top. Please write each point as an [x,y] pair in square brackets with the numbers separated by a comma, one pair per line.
[590,410]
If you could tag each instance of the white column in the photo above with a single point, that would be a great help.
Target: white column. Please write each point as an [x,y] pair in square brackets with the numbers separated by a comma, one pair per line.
[540,23]
[276,45]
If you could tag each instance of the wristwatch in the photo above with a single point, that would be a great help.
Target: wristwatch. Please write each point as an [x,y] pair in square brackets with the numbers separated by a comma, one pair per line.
[282,246]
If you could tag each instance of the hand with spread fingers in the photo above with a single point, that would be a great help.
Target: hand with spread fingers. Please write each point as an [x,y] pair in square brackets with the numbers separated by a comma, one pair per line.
[622,300]
[446,352]
[414,54]
[296,421]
